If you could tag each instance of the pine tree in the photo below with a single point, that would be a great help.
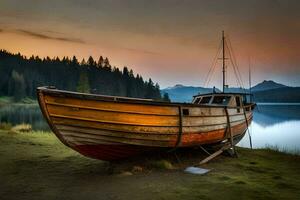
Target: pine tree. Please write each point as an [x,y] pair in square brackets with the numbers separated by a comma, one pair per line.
[74,61]
[18,86]
[166,97]
[83,83]
[20,76]
[106,62]
[100,62]
[149,89]
[91,61]
[83,62]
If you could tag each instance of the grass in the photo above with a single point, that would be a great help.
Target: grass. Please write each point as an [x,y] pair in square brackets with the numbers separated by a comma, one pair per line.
[161,164]
[282,149]
[35,165]
[5,126]
[5,100]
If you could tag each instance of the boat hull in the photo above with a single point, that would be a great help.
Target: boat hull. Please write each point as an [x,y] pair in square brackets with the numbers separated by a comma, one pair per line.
[110,128]
[110,152]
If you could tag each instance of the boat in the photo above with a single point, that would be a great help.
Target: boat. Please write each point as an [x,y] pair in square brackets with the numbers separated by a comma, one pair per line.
[112,128]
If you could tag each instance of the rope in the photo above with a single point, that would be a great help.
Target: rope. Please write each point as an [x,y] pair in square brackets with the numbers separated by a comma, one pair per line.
[235,62]
[213,66]
[238,79]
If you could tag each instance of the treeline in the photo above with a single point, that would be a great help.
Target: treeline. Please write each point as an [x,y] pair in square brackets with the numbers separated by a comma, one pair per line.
[20,76]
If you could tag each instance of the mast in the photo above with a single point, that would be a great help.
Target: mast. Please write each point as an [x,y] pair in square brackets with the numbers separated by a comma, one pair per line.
[250,79]
[223,59]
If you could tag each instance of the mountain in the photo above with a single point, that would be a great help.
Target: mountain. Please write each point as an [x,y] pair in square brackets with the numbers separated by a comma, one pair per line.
[236,90]
[285,94]
[266,91]
[181,93]
[267,85]
[270,91]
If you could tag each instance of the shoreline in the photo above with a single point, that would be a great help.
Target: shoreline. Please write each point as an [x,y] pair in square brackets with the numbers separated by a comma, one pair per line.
[278,103]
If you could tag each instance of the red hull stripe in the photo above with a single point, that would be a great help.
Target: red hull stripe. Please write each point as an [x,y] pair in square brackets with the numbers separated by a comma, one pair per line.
[111,152]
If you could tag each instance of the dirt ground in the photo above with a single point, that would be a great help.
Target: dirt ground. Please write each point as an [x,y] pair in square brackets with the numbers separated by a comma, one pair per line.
[37,166]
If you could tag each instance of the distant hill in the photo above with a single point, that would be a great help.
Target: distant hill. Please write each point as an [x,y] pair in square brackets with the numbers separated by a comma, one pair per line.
[181,93]
[286,94]
[266,91]
[267,85]
[236,90]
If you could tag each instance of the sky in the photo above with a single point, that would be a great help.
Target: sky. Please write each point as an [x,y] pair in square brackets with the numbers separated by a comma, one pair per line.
[171,41]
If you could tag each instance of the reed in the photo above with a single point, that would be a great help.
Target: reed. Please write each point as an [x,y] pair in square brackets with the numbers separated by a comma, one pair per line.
[5,126]
[22,128]
[285,150]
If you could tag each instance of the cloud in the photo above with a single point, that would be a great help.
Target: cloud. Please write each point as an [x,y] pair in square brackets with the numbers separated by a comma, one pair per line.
[48,37]
[141,51]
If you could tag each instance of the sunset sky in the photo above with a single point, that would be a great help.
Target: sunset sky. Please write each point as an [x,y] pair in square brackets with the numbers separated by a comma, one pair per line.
[171,41]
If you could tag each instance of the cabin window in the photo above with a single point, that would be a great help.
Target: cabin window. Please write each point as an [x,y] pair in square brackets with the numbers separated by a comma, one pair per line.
[197,100]
[221,100]
[185,111]
[205,100]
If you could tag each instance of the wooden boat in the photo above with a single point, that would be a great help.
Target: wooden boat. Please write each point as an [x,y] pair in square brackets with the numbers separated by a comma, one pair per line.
[111,127]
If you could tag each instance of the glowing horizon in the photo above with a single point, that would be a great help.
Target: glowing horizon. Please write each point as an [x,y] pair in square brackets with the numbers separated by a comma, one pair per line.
[171,42]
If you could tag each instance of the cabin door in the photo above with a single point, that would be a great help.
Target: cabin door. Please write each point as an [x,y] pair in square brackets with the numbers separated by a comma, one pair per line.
[238,103]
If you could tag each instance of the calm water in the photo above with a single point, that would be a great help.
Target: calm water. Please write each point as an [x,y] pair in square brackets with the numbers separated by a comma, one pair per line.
[29,114]
[273,124]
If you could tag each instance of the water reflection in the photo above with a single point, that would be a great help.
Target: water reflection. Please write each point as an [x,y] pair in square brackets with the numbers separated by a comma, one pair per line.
[271,114]
[23,113]
[275,125]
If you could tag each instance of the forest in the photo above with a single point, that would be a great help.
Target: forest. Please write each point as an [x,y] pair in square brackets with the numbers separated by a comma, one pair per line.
[20,76]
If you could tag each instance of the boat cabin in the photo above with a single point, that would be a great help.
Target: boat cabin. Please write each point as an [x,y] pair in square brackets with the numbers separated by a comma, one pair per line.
[223,99]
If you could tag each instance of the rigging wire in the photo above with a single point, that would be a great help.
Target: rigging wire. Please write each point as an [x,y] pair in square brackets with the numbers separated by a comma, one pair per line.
[238,79]
[235,62]
[212,68]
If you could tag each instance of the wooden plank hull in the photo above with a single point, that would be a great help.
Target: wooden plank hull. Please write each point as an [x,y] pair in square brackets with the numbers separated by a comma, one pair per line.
[109,128]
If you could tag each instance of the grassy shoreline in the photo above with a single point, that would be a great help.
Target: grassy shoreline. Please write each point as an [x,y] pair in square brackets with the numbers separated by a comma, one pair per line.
[37,166]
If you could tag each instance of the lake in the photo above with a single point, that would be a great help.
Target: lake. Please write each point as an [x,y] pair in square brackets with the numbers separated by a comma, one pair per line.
[23,113]
[274,124]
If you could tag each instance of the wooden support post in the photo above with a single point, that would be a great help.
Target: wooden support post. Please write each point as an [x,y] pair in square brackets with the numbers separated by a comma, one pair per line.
[229,144]
[250,139]
[225,147]
[230,132]
[203,149]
